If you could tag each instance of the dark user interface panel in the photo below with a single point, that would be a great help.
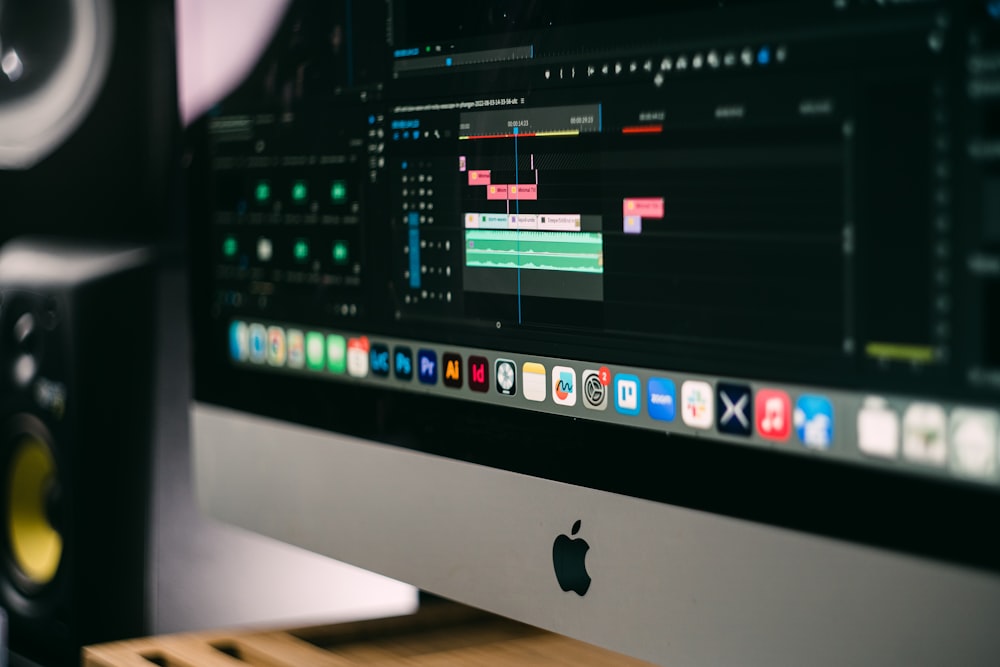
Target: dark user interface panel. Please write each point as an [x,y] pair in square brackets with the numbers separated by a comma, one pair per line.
[775,224]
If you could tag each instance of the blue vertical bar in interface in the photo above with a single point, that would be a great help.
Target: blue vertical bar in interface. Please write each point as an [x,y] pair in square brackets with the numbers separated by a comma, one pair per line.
[413,218]
[517,212]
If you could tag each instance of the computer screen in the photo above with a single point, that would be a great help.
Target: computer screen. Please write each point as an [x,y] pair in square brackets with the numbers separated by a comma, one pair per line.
[672,326]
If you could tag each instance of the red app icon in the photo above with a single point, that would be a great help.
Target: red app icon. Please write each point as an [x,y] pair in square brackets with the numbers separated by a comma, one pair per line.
[479,374]
[773,412]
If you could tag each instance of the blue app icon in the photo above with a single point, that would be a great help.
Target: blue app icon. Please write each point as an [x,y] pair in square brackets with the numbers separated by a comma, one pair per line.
[427,366]
[403,363]
[661,399]
[813,419]
[239,341]
[379,359]
[627,394]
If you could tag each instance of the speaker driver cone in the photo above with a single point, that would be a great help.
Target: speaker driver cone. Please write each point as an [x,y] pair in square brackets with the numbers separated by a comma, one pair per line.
[35,544]
[54,57]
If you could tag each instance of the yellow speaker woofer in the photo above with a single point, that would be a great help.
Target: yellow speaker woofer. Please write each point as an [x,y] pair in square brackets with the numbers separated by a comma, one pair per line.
[36,546]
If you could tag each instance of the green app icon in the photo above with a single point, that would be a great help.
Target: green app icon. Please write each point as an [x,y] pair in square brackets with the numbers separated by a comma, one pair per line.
[336,353]
[314,351]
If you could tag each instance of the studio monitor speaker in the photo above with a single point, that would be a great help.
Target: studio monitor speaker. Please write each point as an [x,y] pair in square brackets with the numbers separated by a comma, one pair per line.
[75,403]
[88,117]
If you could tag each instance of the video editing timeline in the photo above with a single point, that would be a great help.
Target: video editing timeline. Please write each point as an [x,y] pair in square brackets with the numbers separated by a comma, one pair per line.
[723,203]
[657,193]
[897,432]
[520,231]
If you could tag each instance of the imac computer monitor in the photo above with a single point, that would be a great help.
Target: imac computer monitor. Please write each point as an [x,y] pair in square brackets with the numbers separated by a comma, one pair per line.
[670,326]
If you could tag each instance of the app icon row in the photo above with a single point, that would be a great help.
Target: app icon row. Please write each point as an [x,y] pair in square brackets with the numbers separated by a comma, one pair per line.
[356,356]
[732,409]
[964,440]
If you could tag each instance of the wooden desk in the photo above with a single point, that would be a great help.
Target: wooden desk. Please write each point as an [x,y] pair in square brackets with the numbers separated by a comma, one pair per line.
[441,634]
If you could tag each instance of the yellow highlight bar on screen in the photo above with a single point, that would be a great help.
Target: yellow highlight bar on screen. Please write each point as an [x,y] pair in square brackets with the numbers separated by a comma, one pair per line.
[552,133]
[918,354]
[559,133]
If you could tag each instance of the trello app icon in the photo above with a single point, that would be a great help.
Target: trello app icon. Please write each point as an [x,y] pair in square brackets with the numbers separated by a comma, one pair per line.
[627,394]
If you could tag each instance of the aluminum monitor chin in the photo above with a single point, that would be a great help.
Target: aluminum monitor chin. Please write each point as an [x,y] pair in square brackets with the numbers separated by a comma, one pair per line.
[672,329]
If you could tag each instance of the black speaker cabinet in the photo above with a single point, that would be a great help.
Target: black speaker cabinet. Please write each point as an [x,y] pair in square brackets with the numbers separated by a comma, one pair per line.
[76,350]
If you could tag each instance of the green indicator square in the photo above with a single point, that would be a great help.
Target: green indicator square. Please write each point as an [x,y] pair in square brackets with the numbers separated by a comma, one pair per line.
[314,351]
[301,250]
[338,192]
[340,252]
[299,192]
[336,353]
[262,192]
[230,246]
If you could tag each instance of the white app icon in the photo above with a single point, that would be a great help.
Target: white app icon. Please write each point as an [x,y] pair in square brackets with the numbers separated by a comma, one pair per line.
[697,408]
[564,385]
[924,426]
[533,380]
[878,428]
[973,435]
[357,357]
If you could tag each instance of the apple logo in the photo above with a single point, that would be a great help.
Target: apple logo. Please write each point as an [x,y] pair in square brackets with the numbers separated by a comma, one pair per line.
[568,556]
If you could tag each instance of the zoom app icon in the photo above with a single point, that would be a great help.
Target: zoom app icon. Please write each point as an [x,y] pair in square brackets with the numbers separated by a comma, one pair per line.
[595,392]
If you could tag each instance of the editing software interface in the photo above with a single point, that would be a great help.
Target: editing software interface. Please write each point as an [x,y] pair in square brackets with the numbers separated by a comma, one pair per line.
[772,225]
